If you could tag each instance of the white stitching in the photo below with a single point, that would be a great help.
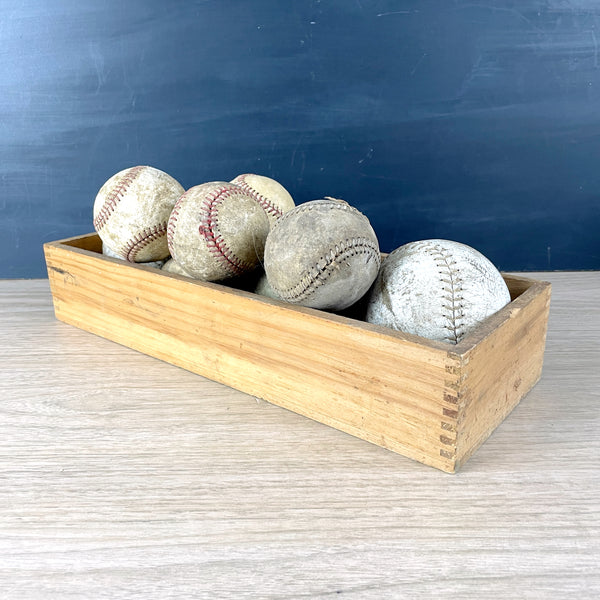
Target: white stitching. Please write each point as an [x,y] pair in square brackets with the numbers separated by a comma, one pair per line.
[452,287]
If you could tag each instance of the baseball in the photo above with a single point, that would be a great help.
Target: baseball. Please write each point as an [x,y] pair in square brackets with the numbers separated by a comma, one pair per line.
[131,212]
[437,289]
[216,231]
[158,264]
[322,254]
[270,194]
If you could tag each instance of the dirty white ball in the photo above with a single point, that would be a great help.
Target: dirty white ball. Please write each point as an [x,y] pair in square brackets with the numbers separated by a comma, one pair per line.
[270,194]
[131,212]
[437,289]
[216,231]
[157,264]
[323,254]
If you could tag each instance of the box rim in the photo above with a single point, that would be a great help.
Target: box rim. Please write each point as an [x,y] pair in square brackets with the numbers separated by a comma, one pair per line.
[453,351]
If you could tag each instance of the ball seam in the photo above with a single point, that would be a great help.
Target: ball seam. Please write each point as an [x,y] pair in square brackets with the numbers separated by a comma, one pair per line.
[452,288]
[172,224]
[318,275]
[142,239]
[114,197]
[266,204]
[319,204]
[209,230]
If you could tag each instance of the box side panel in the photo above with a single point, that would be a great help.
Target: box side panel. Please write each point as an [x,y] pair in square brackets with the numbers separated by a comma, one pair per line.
[499,371]
[517,284]
[89,241]
[371,385]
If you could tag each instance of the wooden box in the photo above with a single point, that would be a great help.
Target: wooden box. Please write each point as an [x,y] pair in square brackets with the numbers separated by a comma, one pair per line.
[430,401]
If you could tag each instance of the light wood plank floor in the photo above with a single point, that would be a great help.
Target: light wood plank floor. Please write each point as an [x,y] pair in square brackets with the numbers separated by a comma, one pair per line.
[125,477]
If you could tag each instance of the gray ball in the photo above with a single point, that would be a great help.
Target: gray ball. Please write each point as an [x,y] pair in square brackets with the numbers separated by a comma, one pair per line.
[322,254]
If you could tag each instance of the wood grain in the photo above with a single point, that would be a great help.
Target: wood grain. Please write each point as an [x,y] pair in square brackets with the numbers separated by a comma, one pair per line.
[397,390]
[504,361]
[124,477]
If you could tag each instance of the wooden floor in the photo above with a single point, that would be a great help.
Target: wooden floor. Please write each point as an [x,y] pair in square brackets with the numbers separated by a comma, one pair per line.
[125,477]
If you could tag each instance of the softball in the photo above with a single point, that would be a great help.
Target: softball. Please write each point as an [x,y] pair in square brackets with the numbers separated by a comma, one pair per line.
[437,289]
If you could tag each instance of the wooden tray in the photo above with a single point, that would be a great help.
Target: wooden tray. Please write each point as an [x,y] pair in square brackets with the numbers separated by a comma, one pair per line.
[427,400]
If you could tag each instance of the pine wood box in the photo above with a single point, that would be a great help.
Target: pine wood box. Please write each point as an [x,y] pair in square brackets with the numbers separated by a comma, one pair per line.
[430,401]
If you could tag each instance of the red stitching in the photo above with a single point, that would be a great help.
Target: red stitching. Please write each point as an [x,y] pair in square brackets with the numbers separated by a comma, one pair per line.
[142,239]
[173,219]
[267,205]
[209,227]
[115,195]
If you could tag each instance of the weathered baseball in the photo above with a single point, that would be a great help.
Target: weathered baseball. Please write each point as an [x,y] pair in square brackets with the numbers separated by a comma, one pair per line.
[322,254]
[172,266]
[270,194]
[158,264]
[131,212]
[437,289]
[217,230]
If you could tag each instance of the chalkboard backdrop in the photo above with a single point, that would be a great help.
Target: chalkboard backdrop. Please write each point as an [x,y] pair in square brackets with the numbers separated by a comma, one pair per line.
[472,121]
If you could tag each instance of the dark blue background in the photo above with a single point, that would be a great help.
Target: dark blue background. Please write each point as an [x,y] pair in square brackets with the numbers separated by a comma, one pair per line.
[478,122]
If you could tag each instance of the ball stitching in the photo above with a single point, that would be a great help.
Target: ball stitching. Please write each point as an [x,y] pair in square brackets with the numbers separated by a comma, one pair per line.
[452,288]
[318,205]
[115,195]
[266,204]
[209,230]
[142,239]
[172,225]
[318,275]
